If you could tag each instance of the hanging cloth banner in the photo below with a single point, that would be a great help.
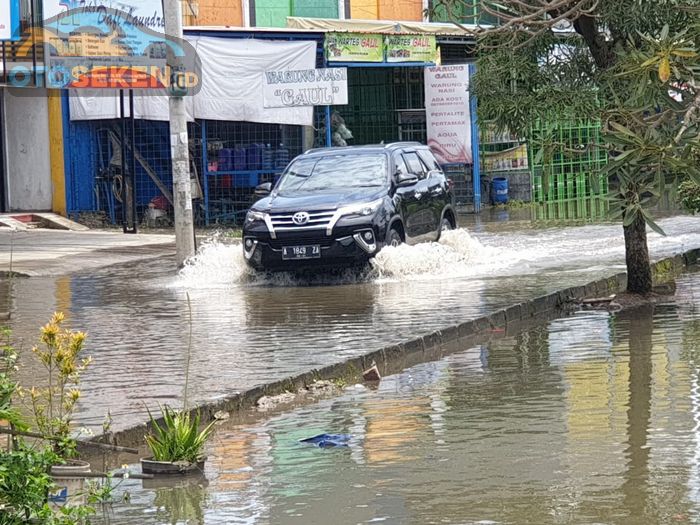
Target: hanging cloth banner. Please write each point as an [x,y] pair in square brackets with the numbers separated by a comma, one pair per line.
[411,48]
[448,115]
[231,87]
[354,47]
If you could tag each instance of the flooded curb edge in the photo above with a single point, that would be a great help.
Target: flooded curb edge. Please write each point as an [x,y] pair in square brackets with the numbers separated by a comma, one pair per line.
[432,346]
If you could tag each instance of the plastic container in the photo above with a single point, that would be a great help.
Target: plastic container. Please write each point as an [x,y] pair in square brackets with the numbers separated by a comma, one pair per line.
[281,158]
[167,468]
[499,190]
[69,490]
[225,159]
[255,156]
[240,161]
[268,158]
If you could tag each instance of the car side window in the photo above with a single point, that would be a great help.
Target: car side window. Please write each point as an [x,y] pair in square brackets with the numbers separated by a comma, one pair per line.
[415,166]
[429,160]
[401,168]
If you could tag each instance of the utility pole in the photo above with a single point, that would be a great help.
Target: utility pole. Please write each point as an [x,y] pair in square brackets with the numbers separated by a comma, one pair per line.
[179,145]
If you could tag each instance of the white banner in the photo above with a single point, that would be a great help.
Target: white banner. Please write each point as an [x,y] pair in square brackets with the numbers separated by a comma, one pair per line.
[148,13]
[232,84]
[448,116]
[305,87]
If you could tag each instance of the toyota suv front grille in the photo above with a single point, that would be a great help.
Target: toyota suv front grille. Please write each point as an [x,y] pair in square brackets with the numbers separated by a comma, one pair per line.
[315,220]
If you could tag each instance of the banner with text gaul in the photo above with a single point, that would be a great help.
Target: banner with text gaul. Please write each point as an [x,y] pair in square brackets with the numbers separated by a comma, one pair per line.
[305,88]
[448,114]
[354,47]
[411,48]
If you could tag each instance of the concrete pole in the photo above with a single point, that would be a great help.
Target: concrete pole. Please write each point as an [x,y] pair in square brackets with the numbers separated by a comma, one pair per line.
[182,189]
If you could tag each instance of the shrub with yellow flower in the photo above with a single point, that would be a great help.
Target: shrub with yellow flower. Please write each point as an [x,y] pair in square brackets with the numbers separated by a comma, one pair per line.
[59,351]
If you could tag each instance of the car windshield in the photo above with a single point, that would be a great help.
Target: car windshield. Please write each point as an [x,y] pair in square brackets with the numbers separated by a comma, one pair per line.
[336,172]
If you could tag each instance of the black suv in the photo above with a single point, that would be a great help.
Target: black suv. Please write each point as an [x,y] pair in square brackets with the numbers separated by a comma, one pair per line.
[339,206]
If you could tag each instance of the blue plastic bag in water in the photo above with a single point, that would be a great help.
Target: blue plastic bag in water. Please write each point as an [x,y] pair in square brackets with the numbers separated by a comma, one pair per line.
[328,440]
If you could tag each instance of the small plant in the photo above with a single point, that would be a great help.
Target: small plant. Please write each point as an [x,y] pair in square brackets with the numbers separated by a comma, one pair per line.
[178,438]
[8,386]
[689,194]
[59,352]
[25,479]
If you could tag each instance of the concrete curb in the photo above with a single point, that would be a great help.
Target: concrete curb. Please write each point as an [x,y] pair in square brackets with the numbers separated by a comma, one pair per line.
[394,358]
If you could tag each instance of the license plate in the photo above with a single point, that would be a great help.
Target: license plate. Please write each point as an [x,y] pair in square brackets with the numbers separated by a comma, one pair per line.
[301,252]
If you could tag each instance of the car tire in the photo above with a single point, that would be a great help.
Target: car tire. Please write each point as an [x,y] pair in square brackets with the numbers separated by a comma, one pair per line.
[445,226]
[394,238]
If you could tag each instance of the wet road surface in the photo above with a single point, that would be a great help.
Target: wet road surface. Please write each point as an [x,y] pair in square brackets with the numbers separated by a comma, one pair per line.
[249,330]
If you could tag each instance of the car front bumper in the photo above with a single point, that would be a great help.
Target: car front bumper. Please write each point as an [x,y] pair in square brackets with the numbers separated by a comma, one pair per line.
[345,249]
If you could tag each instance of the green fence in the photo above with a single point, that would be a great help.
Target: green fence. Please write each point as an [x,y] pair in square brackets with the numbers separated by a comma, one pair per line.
[566,158]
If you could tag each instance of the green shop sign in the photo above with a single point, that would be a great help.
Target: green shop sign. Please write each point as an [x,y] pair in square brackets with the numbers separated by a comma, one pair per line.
[354,47]
[411,48]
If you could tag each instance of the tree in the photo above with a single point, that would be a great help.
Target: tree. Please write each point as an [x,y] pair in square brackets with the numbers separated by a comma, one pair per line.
[633,64]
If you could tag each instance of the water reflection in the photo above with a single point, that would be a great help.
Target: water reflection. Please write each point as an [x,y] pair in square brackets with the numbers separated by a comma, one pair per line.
[183,502]
[589,419]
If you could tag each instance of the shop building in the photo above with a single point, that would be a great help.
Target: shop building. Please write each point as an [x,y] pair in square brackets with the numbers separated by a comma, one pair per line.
[232,154]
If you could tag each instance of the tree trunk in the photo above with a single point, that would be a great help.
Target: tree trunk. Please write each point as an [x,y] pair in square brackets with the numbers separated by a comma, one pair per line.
[637,257]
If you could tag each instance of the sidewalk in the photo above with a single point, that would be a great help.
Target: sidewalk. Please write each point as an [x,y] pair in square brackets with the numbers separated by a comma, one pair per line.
[43,252]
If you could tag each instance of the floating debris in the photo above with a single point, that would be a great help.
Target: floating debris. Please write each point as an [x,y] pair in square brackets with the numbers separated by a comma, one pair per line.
[328,440]
[269,402]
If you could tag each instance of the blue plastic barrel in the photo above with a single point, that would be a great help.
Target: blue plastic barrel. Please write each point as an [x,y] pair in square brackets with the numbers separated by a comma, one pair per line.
[499,190]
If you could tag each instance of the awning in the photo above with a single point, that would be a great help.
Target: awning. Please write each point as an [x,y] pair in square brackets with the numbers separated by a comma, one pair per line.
[380,26]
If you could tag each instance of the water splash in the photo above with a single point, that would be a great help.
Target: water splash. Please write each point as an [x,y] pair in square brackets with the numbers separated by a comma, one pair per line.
[219,263]
[457,254]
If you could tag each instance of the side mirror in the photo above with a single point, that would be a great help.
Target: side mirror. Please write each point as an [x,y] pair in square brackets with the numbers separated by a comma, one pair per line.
[263,190]
[405,179]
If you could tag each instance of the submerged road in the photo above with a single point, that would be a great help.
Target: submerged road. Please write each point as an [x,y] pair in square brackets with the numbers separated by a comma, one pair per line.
[249,330]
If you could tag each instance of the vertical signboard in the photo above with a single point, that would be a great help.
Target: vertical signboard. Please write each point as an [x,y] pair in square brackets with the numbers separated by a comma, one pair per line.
[9,20]
[448,114]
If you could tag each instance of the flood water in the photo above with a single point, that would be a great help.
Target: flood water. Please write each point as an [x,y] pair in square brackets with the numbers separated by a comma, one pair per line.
[248,330]
[593,418]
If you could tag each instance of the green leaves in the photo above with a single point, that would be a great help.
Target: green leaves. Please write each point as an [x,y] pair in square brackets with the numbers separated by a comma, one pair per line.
[178,438]
[689,195]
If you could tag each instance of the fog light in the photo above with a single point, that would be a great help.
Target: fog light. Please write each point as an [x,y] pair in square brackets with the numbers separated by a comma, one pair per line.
[249,247]
[366,241]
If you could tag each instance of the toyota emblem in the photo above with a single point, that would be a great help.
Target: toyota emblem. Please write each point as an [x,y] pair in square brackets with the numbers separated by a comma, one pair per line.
[300,218]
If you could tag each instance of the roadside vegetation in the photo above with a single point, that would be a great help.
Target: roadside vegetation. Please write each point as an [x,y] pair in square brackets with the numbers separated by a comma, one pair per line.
[689,196]
[633,65]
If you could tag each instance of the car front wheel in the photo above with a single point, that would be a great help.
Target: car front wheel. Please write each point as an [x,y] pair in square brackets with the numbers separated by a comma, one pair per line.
[394,238]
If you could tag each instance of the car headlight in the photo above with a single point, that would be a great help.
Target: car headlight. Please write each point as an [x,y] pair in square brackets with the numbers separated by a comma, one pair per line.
[254,215]
[363,208]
